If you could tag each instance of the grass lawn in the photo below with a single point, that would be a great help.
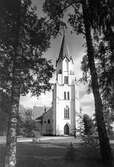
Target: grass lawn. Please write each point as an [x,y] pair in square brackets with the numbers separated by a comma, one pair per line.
[53,154]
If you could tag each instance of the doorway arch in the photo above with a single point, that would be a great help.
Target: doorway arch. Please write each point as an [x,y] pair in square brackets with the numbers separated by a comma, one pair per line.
[66,129]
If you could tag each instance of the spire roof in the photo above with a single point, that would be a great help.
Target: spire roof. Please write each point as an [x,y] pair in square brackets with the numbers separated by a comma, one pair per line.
[64,53]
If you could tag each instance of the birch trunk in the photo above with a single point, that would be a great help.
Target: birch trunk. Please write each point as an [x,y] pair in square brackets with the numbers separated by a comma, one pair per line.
[10,157]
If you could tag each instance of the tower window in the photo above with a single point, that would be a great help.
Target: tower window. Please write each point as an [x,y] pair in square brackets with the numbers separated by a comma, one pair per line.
[48,121]
[65,79]
[66,112]
[60,71]
[68,96]
[64,95]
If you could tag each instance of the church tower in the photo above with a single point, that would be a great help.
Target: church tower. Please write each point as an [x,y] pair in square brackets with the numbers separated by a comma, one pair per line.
[65,94]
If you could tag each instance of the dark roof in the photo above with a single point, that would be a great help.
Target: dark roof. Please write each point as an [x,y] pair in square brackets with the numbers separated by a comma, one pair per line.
[64,51]
[40,117]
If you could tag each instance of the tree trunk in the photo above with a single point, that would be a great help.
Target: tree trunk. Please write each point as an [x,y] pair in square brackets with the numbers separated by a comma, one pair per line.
[103,138]
[10,158]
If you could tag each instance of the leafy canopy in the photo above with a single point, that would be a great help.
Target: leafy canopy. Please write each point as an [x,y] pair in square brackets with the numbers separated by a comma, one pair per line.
[24,35]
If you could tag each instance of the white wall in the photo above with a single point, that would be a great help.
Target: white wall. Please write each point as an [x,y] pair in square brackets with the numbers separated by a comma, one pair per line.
[59,103]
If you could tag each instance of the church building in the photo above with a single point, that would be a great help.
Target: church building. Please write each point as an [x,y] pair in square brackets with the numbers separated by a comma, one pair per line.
[62,117]
[65,94]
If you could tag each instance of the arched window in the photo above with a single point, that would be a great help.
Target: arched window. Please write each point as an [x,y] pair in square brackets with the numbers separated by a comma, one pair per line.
[64,95]
[65,79]
[66,112]
[68,96]
[48,121]
[60,71]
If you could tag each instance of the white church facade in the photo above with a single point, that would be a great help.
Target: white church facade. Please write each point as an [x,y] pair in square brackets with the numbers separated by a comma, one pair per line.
[62,117]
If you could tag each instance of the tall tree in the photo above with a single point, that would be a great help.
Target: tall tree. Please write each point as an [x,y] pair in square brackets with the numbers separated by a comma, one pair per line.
[103,23]
[103,138]
[81,21]
[23,39]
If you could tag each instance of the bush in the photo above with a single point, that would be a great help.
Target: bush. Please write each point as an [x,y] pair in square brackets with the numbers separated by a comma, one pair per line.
[88,125]
[28,127]
[89,134]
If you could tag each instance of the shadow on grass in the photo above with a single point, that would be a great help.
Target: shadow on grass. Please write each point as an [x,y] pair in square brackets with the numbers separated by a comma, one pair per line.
[44,155]
[2,154]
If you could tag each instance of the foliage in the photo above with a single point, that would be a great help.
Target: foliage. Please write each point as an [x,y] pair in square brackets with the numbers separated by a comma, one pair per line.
[90,134]
[80,127]
[28,128]
[26,125]
[88,125]
[33,34]
[103,66]
[102,23]
[104,70]
[103,16]
[108,122]
[4,99]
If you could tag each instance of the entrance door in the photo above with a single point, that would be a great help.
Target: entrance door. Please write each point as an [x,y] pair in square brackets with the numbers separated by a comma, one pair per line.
[66,129]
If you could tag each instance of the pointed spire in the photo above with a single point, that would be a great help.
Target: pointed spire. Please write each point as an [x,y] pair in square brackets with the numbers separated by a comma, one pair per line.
[64,50]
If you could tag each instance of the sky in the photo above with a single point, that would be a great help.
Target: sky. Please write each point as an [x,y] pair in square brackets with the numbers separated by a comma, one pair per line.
[76,50]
